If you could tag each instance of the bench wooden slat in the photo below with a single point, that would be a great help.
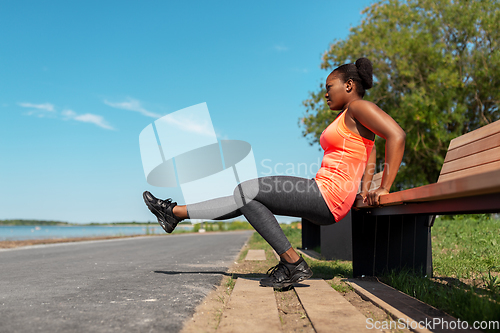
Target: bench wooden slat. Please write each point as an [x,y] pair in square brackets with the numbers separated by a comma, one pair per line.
[470,148]
[376,181]
[471,171]
[474,152]
[484,183]
[471,163]
[475,135]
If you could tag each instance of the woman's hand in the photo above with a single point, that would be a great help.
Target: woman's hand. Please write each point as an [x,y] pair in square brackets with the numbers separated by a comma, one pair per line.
[361,195]
[373,197]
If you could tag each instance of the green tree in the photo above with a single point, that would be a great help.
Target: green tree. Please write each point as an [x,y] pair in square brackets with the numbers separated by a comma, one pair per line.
[220,225]
[436,72]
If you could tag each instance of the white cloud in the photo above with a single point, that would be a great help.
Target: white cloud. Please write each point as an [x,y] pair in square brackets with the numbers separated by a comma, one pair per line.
[48,110]
[221,136]
[87,118]
[187,124]
[69,114]
[300,70]
[280,48]
[132,105]
[94,119]
[44,107]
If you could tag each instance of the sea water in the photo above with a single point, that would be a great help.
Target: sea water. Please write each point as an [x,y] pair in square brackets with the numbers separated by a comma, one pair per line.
[20,232]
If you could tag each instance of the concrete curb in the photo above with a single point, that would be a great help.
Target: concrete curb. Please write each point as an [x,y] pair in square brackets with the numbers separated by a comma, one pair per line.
[403,307]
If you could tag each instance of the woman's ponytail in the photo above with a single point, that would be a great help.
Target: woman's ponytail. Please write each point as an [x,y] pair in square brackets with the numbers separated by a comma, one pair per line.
[365,71]
[361,72]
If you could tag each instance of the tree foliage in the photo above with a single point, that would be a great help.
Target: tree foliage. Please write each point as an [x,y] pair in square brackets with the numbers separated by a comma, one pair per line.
[436,70]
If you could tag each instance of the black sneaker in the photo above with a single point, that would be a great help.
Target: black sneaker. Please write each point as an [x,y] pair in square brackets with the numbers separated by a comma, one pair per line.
[284,274]
[162,209]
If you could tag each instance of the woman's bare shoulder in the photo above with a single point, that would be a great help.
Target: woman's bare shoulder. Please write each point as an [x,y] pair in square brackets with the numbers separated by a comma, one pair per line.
[361,104]
[374,118]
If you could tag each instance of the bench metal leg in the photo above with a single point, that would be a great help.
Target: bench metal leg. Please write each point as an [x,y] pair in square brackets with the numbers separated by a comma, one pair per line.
[311,235]
[336,240]
[391,242]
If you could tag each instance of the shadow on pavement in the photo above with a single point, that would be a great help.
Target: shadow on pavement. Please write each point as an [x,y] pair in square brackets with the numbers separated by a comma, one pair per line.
[233,275]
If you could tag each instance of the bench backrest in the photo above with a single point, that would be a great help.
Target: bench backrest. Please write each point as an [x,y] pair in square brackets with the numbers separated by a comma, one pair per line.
[472,153]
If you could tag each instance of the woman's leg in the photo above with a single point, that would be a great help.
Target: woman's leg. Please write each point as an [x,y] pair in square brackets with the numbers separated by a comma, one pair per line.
[261,199]
[215,209]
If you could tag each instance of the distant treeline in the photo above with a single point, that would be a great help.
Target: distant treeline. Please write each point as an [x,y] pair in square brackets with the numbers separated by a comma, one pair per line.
[31,222]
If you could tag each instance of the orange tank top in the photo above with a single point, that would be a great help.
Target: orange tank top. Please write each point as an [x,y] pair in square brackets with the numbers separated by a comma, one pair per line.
[343,165]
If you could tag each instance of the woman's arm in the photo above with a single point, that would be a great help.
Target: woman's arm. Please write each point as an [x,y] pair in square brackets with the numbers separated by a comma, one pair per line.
[366,181]
[373,118]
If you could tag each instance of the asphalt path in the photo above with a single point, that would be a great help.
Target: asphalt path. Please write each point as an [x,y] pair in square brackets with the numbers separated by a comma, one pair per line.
[146,284]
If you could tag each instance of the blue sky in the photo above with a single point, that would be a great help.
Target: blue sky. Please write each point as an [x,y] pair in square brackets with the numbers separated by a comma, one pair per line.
[79,81]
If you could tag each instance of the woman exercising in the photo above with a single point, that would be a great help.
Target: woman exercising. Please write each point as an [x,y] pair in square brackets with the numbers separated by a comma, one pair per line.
[348,143]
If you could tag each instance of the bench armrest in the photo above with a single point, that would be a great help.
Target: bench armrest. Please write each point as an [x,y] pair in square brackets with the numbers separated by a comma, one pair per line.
[484,183]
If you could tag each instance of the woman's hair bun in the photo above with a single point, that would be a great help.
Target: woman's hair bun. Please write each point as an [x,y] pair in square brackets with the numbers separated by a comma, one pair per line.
[365,71]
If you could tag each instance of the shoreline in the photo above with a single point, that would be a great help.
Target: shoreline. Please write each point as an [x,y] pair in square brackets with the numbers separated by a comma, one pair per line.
[10,244]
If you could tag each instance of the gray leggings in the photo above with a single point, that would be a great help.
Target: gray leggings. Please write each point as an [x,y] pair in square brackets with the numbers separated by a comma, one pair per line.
[260,199]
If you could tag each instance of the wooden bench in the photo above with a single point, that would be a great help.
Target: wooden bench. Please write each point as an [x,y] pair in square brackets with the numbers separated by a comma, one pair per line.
[397,234]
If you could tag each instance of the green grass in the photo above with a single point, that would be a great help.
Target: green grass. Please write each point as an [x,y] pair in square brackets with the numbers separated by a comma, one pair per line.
[293,234]
[466,259]
[230,285]
[466,247]
[222,226]
[459,300]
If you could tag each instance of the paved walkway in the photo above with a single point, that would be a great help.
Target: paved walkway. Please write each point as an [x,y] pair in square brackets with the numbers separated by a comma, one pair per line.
[144,284]
[252,308]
